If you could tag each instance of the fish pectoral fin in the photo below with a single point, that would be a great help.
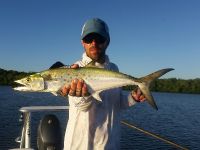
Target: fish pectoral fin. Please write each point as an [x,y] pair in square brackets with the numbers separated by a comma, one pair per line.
[97,96]
[55,93]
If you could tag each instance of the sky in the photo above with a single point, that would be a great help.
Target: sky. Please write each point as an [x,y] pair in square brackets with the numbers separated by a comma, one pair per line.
[146,35]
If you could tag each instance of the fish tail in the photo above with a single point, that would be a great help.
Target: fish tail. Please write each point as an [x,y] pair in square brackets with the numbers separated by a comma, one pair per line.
[145,84]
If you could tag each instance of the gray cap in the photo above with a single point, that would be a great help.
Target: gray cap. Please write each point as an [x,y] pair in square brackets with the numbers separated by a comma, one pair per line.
[95,25]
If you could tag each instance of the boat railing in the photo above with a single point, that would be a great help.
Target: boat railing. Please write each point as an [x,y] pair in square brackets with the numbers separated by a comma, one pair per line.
[25,138]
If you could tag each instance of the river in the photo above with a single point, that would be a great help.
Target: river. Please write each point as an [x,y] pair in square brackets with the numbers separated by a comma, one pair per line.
[177,119]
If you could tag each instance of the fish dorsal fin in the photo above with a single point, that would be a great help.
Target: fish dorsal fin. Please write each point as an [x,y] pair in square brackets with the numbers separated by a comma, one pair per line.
[91,64]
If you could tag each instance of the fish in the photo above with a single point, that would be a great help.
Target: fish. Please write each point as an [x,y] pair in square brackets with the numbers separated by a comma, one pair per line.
[96,79]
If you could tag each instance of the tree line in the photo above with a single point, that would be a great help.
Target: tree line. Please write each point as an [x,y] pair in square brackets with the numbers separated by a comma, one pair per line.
[160,85]
[174,85]
[7,77]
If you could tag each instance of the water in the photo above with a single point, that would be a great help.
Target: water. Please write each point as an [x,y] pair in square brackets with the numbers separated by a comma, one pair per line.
[176,120]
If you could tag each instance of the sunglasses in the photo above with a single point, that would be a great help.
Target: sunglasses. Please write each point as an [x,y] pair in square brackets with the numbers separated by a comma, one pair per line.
[98,39]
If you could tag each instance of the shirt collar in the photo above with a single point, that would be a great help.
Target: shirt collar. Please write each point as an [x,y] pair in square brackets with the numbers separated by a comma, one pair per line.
[86,60]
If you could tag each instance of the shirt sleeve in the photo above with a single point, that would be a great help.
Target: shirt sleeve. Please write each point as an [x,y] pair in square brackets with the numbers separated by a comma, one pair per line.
[80,103]
[126,100]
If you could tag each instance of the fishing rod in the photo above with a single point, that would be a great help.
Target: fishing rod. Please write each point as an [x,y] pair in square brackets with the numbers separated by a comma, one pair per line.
[154,135]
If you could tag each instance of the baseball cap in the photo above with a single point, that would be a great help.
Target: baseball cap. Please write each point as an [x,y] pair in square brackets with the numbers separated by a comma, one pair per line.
[95,25]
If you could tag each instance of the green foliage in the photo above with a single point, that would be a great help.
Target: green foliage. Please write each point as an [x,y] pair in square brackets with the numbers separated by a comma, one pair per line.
[174,85]
[8,77]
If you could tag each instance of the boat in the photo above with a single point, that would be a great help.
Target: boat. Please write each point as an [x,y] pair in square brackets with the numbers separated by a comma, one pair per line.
[49,136]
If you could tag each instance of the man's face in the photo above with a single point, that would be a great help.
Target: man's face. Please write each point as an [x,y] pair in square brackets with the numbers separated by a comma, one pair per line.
[95,46]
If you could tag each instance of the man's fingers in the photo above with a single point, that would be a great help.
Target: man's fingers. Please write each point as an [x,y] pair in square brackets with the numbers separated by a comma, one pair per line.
[135,95]
[74,66]
[72,90]
[139,92]
[142,98]
[85,90]
[138,96]
[79,87]
[65,90]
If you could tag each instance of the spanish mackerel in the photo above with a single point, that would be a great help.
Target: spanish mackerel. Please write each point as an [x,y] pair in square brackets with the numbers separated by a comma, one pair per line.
[96,79]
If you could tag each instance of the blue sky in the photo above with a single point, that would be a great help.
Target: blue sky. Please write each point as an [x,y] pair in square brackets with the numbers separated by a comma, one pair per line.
[146,35]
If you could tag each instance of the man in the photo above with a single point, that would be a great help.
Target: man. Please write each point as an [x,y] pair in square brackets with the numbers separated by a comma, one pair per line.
[95,125]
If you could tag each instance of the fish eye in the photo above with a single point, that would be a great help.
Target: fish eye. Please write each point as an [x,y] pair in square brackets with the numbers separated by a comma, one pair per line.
[28,79]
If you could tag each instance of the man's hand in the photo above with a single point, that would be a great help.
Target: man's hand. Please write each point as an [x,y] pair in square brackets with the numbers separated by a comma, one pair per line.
[138,96]
[76,88]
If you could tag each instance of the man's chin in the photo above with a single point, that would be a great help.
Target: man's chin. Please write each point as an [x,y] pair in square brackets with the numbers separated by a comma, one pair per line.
[95,58]
[95,54]
[98,58]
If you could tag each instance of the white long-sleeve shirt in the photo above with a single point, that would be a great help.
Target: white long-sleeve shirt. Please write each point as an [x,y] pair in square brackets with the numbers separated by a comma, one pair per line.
[94,125]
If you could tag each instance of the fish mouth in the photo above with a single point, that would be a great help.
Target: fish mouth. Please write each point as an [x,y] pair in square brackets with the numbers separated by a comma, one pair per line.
[20,82]
[23,87]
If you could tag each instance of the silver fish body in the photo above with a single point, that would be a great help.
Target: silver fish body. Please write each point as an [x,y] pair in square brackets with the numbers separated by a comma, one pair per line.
[97,80]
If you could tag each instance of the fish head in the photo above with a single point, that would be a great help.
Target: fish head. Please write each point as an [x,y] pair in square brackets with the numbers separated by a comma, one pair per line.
[33,82]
